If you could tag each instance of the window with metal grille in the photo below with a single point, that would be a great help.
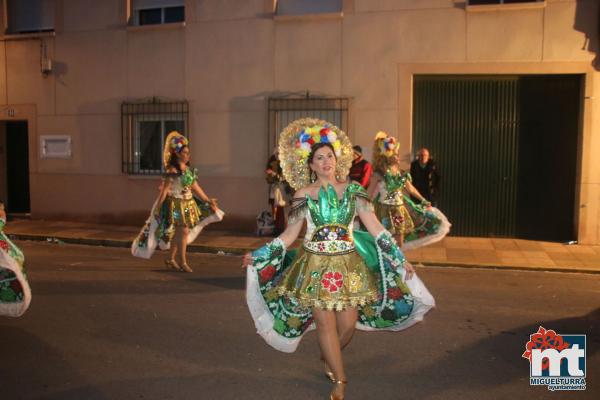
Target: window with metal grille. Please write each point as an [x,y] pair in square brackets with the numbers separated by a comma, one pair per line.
[303,7]
[151,12]
[30,16]
[145,125]
[286,109]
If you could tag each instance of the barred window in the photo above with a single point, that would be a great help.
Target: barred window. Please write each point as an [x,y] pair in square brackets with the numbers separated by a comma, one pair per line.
[303,7]
[286,109]
[152,12]
[30,16]
[145,125]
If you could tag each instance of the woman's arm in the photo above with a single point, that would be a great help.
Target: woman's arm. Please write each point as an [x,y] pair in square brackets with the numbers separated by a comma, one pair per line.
[370,221]
[289,235]
[375,179]
[199,192]
[415,193]
[291,232]
[164,191]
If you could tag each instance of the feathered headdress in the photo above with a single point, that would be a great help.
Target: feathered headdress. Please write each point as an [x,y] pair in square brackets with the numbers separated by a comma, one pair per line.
[174,143]
[295,145]
[386,144]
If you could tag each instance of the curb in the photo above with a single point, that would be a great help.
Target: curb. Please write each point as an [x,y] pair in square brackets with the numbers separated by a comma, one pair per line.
[446,264]
[237,251]
[192,248]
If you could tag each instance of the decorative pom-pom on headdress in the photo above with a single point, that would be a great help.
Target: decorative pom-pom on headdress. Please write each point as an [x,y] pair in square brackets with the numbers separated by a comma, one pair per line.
[295,145]
[384,148]
[178,143]
[312,135]
[385,144]
[174,143]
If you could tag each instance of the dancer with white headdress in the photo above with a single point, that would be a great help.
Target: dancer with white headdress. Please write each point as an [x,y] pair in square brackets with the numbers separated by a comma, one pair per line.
[340,278]
[181,211]
[412,224]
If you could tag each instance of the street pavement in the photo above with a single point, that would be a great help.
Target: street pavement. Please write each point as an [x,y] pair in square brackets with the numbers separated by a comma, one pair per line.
[105,325]
[495,253]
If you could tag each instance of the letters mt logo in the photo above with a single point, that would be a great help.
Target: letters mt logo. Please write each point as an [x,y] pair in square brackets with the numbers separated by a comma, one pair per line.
[557,361]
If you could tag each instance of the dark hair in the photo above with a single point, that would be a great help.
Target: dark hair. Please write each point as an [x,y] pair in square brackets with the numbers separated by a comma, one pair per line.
[317,147]
[174,162]
[357,149]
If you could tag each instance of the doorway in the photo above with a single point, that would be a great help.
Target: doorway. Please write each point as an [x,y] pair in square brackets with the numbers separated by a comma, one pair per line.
[14,160]
[506,147]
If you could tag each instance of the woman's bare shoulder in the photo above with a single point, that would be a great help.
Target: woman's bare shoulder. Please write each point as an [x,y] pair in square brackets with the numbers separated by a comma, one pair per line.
[309,190]
[301,193]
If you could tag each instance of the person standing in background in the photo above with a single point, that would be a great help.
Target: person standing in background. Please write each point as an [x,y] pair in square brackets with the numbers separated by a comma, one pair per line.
[180,212]
[425,176]
[278,189]
[361,169]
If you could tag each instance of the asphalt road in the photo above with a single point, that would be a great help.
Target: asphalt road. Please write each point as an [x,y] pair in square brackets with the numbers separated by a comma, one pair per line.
[104,325]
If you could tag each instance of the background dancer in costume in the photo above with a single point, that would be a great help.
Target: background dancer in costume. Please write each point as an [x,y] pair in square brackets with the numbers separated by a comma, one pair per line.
[278,192]
[15,294]
[413,225]
[177,213]
[340,276]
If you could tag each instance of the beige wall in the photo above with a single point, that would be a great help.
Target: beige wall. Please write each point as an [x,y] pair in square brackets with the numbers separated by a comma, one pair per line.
[231,55]
[3,177]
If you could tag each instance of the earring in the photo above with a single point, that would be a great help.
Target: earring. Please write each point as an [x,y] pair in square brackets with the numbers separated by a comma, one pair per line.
[313,177]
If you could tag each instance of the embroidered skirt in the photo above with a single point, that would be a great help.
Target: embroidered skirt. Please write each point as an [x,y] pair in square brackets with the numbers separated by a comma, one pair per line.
[331,282]
[183,212]
[395,218]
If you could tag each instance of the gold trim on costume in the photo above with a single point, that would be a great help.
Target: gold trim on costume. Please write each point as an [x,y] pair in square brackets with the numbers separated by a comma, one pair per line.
[329,282]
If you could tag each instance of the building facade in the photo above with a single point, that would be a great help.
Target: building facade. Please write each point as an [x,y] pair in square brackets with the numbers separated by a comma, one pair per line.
[93,86]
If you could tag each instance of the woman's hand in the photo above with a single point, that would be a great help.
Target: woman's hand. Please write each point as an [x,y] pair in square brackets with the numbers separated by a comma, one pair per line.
[410,270]
[213,205]
[247,260]
[157,210]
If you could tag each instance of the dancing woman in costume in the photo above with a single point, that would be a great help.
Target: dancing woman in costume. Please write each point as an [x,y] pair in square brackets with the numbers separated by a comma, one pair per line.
[413,225]
[340,278]
[181,211]
[15,294]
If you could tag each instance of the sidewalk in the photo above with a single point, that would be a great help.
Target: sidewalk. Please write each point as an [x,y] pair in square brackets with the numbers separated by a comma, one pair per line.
[452,251]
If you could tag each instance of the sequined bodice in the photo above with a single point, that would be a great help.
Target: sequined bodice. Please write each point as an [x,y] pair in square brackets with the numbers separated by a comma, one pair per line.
[330,221]
[390,189]
[181,185]
[329,239]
